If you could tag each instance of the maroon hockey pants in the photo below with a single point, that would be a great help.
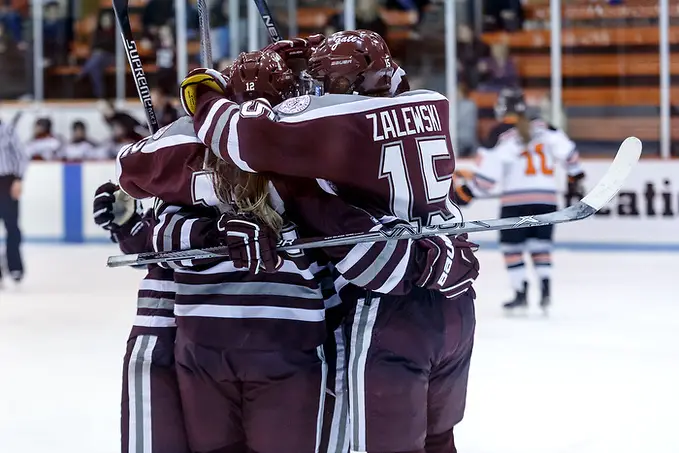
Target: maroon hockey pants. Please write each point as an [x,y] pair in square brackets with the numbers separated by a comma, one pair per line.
[238,401]
[408,364]
[151,418]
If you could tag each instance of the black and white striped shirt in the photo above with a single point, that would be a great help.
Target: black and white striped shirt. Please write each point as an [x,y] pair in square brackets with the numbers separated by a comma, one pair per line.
[13,159]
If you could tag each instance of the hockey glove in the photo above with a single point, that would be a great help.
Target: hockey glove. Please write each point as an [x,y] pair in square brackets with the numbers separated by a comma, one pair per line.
[450,266]
[251,246]
[112,207]
[575,189]
[201,79]
[296,52]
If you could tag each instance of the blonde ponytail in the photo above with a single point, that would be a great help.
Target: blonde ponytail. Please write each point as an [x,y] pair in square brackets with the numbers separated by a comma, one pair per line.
[247,192]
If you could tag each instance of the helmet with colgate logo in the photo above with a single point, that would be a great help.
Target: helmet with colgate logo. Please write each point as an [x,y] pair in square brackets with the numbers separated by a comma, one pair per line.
[356,61]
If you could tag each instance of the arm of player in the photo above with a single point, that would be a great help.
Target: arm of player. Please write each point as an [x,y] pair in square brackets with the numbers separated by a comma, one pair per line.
[250,137]
[566,151]
[119,214]
[385,267]
[153,166]
[179,228]
[482,179]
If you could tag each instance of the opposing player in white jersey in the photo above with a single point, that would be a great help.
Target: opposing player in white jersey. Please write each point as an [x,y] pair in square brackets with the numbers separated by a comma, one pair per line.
[520,156]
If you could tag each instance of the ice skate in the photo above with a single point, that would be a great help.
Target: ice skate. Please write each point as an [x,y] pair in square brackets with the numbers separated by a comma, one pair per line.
[519,305]
[545,298]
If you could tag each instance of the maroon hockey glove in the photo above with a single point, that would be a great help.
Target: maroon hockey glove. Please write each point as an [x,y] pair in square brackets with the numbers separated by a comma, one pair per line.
[112,208]
[251,246]
[296,52]
[451,266]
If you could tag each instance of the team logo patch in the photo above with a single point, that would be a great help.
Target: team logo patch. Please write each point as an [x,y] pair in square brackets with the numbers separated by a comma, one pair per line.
[294,105]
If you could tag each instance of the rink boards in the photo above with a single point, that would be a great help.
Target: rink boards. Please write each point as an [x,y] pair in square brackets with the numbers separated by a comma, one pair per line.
[57,199]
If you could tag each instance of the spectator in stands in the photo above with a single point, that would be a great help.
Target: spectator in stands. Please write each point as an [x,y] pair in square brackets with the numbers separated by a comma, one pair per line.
[54,39]
[165,59]
[467,122]
[471,50]
[219,26]
[11,20]
[44,145]
[507,15]
[81,147]
[367,18]
[498,71]
[103,53]
[158,13]
[125,129]
[166,112]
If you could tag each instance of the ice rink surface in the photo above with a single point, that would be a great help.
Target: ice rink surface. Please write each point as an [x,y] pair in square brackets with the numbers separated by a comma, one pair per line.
[601,374]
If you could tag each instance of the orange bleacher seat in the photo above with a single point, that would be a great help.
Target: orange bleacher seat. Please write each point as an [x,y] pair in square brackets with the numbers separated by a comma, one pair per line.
[613,129]
[314,18]
[395,18]
[606,65]
[616,96]
[584,37]
[594,12]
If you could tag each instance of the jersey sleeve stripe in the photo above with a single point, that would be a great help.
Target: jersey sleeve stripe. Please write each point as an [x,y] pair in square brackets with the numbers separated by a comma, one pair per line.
[207,123]
[398,273]
[375,266]
[233,145]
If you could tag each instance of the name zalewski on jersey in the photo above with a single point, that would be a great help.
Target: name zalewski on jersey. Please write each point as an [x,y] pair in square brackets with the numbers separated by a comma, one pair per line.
[524,173]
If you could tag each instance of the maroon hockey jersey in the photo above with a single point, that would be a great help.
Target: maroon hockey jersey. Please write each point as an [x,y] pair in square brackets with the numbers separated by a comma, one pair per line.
[391,156]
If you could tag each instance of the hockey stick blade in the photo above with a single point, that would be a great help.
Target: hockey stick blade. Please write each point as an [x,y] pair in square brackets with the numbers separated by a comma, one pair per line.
[611,183]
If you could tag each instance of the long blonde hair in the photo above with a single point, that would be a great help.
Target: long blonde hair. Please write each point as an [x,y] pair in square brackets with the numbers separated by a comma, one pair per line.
[247,192]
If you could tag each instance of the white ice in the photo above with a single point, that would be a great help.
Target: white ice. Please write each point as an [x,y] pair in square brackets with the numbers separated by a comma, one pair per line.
[601,374]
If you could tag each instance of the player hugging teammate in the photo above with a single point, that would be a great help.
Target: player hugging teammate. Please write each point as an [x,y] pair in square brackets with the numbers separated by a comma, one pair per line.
[520,156]
[270,358]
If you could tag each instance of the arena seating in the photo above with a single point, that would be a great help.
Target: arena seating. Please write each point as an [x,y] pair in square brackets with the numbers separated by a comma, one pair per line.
[610,66]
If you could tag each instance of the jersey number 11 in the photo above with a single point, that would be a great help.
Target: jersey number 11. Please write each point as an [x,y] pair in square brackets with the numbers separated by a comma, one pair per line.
[531,168]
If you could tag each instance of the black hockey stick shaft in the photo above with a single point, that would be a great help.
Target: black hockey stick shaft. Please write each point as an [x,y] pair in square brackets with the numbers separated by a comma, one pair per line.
[269,23]
[627,157]
[121,10]
[204,29]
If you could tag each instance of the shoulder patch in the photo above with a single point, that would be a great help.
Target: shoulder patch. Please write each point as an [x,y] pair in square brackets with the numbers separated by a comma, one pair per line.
[294,105]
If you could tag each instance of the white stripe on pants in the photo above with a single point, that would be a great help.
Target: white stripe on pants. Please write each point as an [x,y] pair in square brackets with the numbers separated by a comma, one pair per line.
[339,425]
[321,398]
[139,394]
[361,337]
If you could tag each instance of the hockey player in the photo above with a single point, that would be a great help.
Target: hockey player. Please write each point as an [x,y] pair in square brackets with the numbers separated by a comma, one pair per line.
[252,369]
[520,156]
[151,416]
[390,156]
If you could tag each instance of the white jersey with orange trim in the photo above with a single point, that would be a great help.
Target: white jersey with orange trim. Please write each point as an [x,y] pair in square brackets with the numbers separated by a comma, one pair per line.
[524,173]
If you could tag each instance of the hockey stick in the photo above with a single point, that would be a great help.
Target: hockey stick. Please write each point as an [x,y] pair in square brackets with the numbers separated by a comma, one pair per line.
[625,160]
[267,17]
[205,40]
[122,16]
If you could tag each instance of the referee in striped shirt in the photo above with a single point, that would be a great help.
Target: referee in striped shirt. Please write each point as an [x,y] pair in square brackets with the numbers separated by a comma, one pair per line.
[13,163]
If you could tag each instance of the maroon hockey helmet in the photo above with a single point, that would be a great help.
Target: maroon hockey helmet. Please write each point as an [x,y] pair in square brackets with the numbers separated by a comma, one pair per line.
[261,74]
[356,61]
